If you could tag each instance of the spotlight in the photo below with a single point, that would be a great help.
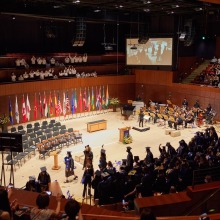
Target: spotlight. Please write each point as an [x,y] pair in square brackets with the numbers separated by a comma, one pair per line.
[182,36]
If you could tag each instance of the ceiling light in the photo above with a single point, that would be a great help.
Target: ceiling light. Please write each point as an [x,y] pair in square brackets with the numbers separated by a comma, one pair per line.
[198,9]
[97,10]
[108,47]
[146,9]
[76,2]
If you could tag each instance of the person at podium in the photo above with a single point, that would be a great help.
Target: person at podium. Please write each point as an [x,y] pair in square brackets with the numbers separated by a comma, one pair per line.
[69,167]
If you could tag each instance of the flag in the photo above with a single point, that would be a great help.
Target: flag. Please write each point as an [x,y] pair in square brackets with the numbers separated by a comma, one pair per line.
[28,109]
[85,100]
[103,97]
[89,101]
[24,114]
[67,102]
[16,111]
[64,105]
[80,101]
[35,107]
[93,100]
[50,106]
[97,99]
[40,106]
[73,103]
[55,105]
[10,111]
[107,97]
[100,98]
[45,106]
[59,106]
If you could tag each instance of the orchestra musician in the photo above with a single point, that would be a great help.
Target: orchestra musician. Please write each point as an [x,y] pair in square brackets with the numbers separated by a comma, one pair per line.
[176,120]
[189,118]
[196,107]
[185,103]
[208,109]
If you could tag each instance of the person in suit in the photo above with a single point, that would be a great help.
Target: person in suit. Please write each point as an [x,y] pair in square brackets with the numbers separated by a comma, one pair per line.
[185,103]
[130,160]
[141,118]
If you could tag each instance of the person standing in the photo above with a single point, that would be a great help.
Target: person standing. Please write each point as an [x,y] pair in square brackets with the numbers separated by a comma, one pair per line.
[149,157]
[130,159]
[88,156]
[44,179]
[141,118]
[185,103]
[69,166]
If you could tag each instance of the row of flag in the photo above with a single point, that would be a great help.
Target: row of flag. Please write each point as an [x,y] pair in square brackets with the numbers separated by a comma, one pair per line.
[88,99]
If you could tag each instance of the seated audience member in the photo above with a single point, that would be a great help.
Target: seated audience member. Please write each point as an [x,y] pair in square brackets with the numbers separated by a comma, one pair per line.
[13,77]
[74,71]
[5,210]
[39,61]
[84,58]
[52,61]
[41,75]
[33,60]
[44,62]
[147,214]
[72,59]
[80,59]
[25,75]
[42,212]
[72,209]
[44,179]
[20,78]
[214,60]
[18,63]
[67,60]
[23,63]
[31,75]
[33,185]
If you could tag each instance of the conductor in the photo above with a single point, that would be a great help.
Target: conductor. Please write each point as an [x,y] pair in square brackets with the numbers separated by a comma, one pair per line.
[141,118]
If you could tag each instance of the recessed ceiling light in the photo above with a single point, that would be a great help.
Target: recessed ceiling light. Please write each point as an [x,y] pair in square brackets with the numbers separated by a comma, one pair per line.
[146,9]
[97,10]
[76,2]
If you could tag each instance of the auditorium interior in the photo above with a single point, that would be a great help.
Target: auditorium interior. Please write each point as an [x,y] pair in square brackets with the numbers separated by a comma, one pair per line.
[78,74]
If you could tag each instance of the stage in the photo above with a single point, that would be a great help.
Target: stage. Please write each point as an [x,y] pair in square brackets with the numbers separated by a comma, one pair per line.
[115,150]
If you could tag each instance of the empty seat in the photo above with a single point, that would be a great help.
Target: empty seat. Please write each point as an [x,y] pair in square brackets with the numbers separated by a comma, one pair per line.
[13,130]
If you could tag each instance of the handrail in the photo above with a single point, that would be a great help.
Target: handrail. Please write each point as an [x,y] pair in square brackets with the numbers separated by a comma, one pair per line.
[203,201]
[111,216]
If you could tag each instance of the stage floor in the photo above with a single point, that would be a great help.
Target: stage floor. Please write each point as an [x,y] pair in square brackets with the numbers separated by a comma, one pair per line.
[115,150]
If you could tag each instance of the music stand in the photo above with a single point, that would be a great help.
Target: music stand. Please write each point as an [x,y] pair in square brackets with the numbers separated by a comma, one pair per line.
[11,142]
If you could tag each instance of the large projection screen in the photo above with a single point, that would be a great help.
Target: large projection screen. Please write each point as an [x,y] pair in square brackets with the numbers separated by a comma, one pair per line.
[156,51]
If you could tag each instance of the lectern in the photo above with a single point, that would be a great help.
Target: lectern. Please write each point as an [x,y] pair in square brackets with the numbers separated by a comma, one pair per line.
[55,167]
[123,132]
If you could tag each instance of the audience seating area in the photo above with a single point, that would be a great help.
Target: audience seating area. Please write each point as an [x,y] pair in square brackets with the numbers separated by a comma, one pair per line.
[44,138]
[210,75]
[93,66]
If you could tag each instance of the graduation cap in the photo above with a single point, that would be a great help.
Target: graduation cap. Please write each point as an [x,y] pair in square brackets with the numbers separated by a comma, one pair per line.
[129,148]
[32,177]
[168,144]
[105,174]
[147,148]
[98,173]
[132,172]
[110,171]
[43,169]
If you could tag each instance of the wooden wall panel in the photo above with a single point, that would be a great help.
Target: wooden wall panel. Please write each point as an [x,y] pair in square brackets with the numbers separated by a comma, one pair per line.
[122,87]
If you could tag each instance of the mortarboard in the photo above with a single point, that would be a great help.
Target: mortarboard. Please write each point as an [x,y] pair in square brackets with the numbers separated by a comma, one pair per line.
[32,178]
[43,169]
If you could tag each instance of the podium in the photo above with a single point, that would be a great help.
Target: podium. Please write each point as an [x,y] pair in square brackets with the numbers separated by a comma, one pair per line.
[55,166]
[123,132]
